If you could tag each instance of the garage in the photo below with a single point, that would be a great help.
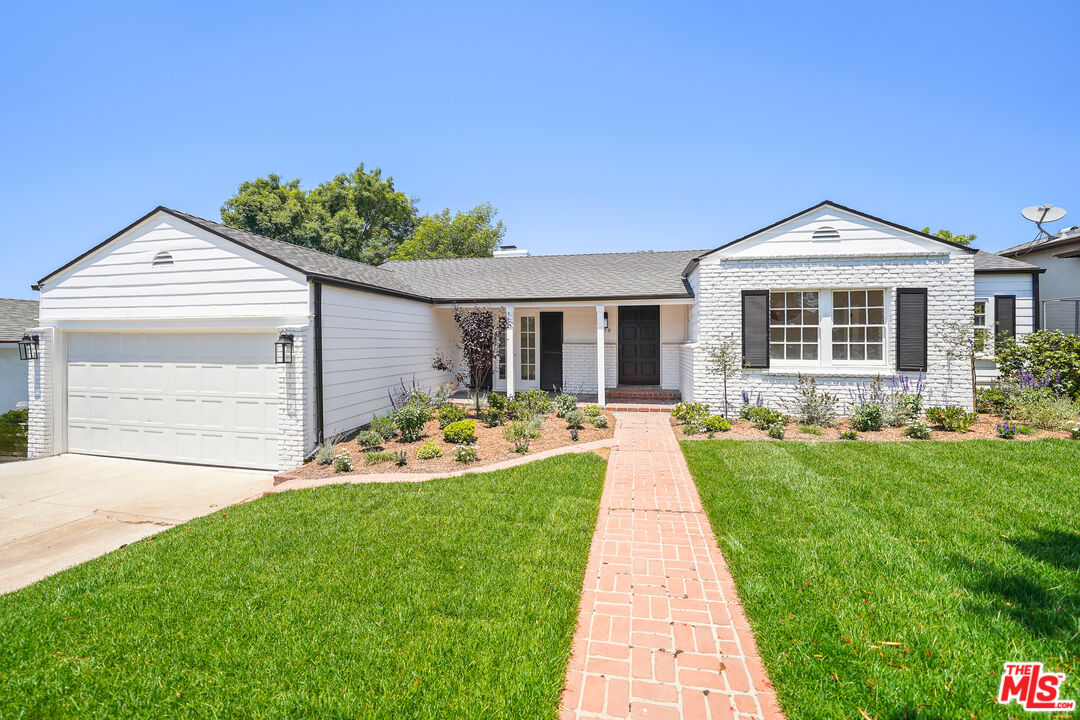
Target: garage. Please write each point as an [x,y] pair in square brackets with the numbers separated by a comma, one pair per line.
[208,398]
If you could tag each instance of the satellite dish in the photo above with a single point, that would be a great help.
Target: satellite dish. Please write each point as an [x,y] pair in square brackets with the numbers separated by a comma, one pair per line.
[1043,213]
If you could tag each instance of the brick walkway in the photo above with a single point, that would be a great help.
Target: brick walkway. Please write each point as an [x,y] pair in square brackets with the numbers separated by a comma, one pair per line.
[661,633]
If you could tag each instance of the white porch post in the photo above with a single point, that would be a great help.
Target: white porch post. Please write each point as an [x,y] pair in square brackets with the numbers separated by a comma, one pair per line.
[511,366]
[600,399]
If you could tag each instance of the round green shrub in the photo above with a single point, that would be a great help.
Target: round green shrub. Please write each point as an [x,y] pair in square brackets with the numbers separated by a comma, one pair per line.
[429,451]
[462,432]
[574,419]
[715,424]
[689,412]
[918,430]
[343,463]
[593,410]
[535,401]
[410,419]
[384,426]
[450,413]
[369,439]
[565,403]
[600,421]
[492,416]
[776,431]
[465,453]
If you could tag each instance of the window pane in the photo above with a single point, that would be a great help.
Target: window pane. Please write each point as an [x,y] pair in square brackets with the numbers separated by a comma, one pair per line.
[840,299]
[858,317]
[810,300]
[873,352]
[794,300]
[839,334]
[776,300]
[857,352]
[793,352]
[840,317]
[809,352]
[875,316]
[794,334]
[809,334]
[839,352]
[809,317]
[873,334]
[858,298]
[776,316]
[875,297]
[794,317]
[858,334]
[776,351]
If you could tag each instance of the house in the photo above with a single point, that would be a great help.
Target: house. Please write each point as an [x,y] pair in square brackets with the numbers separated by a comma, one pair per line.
[1059,288]
[182,339]
[16,316]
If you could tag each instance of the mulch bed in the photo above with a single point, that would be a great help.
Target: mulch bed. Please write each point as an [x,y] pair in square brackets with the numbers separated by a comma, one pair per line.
[491,447]
[984,429]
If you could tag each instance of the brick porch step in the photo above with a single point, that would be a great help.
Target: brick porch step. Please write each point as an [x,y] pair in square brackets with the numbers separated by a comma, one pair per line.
[649,393]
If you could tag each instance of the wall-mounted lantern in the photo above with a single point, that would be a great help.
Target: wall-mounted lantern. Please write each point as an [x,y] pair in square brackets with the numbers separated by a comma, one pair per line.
[283,348]
[605,321]
[28,347]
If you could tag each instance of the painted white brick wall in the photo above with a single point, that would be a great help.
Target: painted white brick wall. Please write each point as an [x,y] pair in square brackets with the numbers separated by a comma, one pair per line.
[949,280]
[686,372]
[579,367]
[39,429]
[670,365]
[292,401]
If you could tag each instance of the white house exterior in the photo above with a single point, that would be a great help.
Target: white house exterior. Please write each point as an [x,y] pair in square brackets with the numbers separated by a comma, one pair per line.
[160,342]
[1059,286]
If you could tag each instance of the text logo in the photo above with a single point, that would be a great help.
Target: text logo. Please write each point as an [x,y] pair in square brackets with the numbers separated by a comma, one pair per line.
[1036,691]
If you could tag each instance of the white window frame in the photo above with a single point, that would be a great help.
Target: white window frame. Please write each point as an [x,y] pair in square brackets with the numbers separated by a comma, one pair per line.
[519,321]
[988,345]
[825,328]
[800,362]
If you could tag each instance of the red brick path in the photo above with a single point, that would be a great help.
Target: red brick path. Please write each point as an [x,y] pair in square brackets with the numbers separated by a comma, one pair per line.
[661,633]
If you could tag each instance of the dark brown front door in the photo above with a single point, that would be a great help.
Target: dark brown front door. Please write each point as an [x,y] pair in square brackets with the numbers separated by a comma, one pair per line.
[551,337]
[639,345]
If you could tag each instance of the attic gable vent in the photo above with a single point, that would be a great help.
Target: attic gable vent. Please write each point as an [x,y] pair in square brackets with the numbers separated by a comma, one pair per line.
[826,233]
[162,258]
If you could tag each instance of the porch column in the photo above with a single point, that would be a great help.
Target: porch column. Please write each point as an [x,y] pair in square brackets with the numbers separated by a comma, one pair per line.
[601,400]
[511,366]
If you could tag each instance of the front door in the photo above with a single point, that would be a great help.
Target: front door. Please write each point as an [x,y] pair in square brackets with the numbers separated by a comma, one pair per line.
[551,338]
[639,345]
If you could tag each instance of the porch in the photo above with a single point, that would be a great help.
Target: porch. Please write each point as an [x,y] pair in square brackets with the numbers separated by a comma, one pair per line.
[622,355]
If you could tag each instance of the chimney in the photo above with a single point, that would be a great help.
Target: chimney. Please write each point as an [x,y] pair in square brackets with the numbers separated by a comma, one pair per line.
[510,251]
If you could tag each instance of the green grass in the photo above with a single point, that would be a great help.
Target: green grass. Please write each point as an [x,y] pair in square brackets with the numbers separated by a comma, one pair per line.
[452,598]
[964,554]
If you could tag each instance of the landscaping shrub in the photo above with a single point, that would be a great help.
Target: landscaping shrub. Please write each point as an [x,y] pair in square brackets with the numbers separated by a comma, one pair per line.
[429,451]
[991,400]
[1073,428]
[465,453]
[689,412]
[814,406]
[369,439]
[410,419]
[1006,430]
[378,456]
[384,426]
[600,421]
[521,446]
[574,419]
[747,406]
[692,428]
[849,435]
[776,431]
[401,459]
[13,435]
[462,432]
[1043,353]
[535,402]
[917,429]
[492,416]
[497,401]
[343,463]
[764,417]
[868,416]
[593,411]
[449,414]
[812,429]
[520,430]
[565,403]
[951,418]
[714,424]
[574,434]
[1042,407]
[324,453]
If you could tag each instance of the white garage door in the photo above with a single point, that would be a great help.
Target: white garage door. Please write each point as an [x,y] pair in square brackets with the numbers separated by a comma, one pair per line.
[199,398]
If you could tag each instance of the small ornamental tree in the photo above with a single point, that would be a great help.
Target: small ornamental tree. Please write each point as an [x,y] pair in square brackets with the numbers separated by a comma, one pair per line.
[959,340]
[725,359]
[478,329]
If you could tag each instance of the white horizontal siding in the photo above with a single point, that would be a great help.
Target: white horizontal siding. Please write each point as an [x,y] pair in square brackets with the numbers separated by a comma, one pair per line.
[986,287]
[371,343]
[210,278]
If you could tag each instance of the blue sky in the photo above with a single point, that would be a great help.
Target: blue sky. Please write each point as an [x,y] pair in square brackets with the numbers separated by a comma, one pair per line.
[590,126]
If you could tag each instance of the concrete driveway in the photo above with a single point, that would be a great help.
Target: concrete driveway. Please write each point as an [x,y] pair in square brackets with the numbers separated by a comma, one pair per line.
[60,511]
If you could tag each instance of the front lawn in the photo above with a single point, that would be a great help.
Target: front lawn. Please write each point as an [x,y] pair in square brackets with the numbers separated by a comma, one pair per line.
[451,598]
[895,579]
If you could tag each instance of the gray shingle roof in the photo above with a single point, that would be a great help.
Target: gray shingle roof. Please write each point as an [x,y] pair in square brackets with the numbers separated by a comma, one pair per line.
[992,262]
[16,317]
[543,277]
[307,260]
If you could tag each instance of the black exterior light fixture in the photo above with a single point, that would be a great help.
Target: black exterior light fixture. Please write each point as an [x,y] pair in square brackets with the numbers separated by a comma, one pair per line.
[28,347]
[605,320]
[283,348]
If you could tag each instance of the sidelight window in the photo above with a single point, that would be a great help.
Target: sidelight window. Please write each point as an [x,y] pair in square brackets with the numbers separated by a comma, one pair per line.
[528,347]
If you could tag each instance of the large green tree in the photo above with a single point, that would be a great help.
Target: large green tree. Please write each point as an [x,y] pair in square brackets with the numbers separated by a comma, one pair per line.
[946,235]
[469,233]
[357,215]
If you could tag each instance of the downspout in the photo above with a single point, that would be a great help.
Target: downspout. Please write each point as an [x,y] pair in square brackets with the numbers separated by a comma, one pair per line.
[317,289]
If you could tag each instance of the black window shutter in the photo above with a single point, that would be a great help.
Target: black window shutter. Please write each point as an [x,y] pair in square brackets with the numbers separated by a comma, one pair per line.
[1005,315]
[911,329]
[755,328]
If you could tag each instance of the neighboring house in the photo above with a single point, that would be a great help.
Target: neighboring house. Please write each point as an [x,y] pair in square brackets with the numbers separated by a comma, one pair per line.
[1059,288]
[16,316]
[160,342]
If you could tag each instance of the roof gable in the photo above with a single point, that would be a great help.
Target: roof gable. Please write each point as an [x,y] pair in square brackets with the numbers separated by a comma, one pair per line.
[856,233]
